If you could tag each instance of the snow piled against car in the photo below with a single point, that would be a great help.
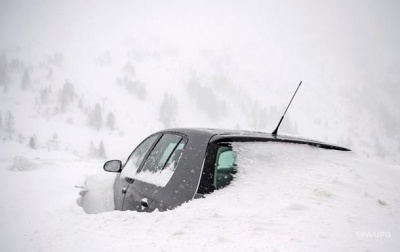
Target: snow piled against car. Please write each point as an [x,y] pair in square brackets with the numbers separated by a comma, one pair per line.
[283,197]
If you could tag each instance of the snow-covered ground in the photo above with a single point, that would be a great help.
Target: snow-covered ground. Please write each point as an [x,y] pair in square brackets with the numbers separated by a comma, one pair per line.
[285,197]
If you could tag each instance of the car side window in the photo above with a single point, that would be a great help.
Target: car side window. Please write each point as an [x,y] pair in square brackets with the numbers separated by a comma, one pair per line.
[225,167]
[137,156]
[160,165]
[165,153]
[176,155]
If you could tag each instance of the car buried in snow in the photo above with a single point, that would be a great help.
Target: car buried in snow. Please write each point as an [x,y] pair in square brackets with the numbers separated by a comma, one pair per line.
[174,166]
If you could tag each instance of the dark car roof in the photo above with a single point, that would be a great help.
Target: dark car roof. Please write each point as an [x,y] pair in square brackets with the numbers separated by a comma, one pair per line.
[227,135]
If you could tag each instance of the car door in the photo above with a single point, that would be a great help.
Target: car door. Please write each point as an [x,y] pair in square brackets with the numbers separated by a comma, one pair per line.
[153,174]
[133,163]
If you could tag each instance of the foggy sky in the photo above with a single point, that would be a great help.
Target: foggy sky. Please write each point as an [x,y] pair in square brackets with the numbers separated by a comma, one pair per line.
[349,47]
[353,40]
[308,27]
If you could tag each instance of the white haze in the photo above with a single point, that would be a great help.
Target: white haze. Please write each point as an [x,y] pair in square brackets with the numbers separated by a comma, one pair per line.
[250,54]
[247,52]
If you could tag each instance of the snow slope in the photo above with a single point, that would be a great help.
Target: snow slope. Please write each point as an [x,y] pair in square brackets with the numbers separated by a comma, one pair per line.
[285,197]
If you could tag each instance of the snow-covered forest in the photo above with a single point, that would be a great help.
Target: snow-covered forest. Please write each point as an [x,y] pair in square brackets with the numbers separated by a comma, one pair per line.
[86,81]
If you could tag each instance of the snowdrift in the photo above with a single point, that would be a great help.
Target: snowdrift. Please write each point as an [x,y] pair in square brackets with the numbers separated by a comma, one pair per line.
[284,197]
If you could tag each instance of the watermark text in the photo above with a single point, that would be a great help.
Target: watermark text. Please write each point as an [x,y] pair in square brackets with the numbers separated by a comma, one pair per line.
[373,234]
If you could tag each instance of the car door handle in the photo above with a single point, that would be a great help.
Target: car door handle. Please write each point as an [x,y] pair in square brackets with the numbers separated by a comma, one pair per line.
[144,202]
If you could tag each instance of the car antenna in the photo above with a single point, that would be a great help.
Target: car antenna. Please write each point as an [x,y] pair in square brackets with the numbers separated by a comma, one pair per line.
[279,124]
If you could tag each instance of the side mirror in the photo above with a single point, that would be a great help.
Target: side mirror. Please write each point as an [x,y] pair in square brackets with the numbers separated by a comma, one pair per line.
[113,166]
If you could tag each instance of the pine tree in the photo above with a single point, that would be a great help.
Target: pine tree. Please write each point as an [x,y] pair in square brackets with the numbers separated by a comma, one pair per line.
[105,59]
[26,79]
[96,117]
[135,87]
[21,138]
[49,74]
[1,121]
[57,59]
[10,124]
[110,121]
[44,96]
[168,108]
[32,143]
[80,104]
[4,71]
[67,96]
[101,152]
[53,143]
[215,108]
[129,69]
